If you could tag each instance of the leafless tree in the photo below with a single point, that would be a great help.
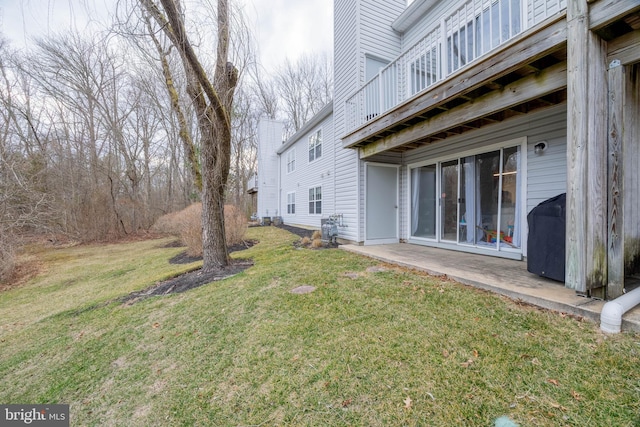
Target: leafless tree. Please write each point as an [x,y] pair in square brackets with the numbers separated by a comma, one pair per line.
[212,97]
[305,87]
[265,93]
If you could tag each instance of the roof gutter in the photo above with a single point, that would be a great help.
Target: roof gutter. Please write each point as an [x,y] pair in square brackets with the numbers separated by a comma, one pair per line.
[412,14]
[315,120]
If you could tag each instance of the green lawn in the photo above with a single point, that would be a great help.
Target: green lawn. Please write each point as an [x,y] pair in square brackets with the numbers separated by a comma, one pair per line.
[367,348]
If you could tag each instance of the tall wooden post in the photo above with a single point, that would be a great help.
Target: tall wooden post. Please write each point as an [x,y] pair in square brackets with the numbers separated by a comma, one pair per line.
[617,186]
[631,158]
[586,240]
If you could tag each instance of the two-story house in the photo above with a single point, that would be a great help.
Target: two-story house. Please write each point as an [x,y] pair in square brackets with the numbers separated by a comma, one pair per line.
[452,120]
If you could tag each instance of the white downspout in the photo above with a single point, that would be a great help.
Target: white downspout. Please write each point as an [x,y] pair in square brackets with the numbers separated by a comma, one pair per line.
[611,316]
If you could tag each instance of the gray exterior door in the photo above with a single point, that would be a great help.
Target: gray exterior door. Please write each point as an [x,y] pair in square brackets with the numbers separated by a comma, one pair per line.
[381,204]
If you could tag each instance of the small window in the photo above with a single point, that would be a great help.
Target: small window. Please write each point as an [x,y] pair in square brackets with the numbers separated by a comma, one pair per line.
[315,200]
[291,203]
[291,160]
[315,145]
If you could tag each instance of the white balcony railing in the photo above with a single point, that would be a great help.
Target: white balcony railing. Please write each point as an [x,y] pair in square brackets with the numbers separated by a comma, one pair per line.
[475,28]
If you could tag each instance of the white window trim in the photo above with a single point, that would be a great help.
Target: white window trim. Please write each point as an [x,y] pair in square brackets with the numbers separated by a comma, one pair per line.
[291,193]
[291,159]
[315,135]
[315,200]
[522,142]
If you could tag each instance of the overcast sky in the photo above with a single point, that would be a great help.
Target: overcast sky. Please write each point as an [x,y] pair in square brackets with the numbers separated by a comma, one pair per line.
[283,28]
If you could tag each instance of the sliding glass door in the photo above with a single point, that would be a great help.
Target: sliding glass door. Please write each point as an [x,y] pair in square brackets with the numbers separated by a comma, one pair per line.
[472,201]
[449,201]
[423,202]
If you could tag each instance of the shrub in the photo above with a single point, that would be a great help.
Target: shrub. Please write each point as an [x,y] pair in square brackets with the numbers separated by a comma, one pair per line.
[235,225]
[316,235]
[168,224]
[187,225]
[305,241]
[317,243]
[7,258]
[190,227]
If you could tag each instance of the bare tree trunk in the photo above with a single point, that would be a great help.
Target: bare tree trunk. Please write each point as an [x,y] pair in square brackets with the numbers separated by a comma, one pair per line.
[213,102]
[185,136]
[215,169]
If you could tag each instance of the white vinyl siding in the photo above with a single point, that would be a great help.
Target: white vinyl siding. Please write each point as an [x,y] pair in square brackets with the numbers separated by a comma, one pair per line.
[307,175]
[346,80]
[539,10]
[270,137]
[360,29]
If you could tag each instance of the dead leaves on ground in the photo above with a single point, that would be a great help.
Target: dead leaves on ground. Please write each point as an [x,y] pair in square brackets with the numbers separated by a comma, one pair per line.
[407,403]
[466,364]
[471,361]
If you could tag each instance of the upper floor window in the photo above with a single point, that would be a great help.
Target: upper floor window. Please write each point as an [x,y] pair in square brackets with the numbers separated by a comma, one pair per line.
[315,145]
[315,200]
[291,160]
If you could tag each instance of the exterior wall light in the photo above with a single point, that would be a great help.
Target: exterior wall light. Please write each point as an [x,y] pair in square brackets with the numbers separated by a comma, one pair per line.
[540,147]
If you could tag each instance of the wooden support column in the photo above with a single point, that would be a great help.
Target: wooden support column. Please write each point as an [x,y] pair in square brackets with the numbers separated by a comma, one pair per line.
[624,174]
[631,159]
[586,239]
[616,171]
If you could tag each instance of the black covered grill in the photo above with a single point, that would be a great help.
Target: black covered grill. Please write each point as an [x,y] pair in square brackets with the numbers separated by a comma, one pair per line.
[546,243]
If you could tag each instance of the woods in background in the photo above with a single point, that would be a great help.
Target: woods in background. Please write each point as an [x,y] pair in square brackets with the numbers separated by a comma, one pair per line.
[91,146]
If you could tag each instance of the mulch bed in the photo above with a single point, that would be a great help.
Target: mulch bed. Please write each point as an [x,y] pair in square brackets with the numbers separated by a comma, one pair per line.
[188,281]
[193,279]
[184,258]
[199,278]
[302,233]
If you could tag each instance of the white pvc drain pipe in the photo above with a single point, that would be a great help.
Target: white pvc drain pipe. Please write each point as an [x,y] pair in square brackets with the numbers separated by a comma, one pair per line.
[611,316]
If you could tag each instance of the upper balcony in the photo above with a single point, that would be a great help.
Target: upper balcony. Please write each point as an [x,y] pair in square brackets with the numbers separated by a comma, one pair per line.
[467,37]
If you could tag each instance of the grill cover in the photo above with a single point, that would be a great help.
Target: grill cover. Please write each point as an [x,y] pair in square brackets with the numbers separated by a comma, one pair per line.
[546,243]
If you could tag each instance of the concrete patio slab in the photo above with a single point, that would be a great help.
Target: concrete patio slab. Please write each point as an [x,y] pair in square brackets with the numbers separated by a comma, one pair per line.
[502,276]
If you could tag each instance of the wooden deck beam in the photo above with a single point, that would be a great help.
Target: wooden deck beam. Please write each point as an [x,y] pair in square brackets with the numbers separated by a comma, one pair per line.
[531,87]
[605,12]
[625,49]
[528,47]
